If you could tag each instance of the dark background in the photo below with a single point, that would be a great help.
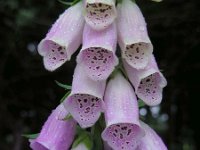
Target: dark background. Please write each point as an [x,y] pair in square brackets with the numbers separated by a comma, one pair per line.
[28,92]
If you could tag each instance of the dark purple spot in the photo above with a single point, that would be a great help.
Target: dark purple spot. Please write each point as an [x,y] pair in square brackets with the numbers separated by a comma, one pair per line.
[121,136]
[132,46]
[81,105]
[136,57]
[129,131]
[59,48]
[137,50]
[147,80]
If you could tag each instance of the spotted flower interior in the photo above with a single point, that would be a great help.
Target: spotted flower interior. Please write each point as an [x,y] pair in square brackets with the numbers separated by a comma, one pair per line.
[149,89]
[85,108]
[98,62]
[54,54]
[99,15]
[122,136]
[137,55]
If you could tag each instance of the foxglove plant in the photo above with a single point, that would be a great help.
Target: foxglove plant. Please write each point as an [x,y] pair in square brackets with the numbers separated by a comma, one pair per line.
[63,38]
[98,83]
[151,141]
[99,14]
[56,134]
[136,47]
[98,52]
[85,103]
[148,82]
[121,114]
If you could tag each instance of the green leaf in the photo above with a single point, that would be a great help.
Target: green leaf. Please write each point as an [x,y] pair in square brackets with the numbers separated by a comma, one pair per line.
[65,86]
[83,137]
[69,116]
[69,3]
[96,136]
[65,96]
[30,136]
[65,3]
[156,0]
[141,103]
[88,142]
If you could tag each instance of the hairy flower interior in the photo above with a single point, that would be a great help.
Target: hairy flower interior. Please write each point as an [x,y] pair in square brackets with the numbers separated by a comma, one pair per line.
[98,61]
[98,14]
[137,54]
[54,54]
[85,108]
[123,135]
[149,89]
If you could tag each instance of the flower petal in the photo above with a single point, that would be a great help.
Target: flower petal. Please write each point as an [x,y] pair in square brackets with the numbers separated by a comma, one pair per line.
[56,134]
[85,102]
[100,13]
[121,113]
[151,141]
[63,38]
[148,82]
[98,52]
[133,39]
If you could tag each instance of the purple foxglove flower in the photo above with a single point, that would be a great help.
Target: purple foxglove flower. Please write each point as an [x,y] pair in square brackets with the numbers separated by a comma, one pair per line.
[63,39]
[85,102]
[98,52]
[56,134]
[148,82]
[133,39]
[100,13]
[151,141]
[121,114]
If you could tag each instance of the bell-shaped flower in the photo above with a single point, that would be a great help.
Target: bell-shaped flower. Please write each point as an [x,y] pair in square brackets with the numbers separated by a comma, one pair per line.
[148,82]
[121,114]
[63,39]
[99,14]
[56,134]
[151,141]
[133,39]
[85,103]
[98,52]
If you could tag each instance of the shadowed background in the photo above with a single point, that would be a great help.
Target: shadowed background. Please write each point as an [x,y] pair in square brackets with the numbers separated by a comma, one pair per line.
[28,92]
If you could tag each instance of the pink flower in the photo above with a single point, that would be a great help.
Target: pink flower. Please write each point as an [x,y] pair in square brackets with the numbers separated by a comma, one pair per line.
[121,114]
[99,14]
[85,103]
[56,134]
[151,141]
[98,52]
[63,38]
[133,39]
[148,82]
